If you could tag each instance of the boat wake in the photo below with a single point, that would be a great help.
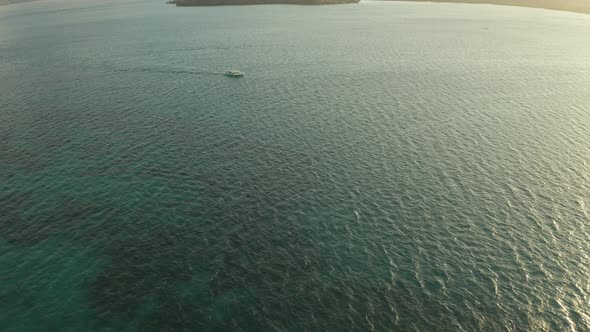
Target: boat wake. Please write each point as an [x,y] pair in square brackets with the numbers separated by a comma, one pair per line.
[186,71]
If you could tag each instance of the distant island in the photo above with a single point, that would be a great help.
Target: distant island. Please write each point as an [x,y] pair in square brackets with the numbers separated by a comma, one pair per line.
[577,6]
[182,3]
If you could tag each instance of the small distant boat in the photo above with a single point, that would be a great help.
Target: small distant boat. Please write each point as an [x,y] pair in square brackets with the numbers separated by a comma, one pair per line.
[234,73]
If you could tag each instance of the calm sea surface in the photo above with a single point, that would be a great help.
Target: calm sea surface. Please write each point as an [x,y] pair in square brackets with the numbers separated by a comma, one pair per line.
[382,166]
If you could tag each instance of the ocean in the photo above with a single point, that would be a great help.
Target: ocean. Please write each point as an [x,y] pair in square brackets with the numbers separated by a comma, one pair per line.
[386,166]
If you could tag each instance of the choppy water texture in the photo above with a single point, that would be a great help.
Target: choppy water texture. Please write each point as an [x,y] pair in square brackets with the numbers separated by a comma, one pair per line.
[385,166]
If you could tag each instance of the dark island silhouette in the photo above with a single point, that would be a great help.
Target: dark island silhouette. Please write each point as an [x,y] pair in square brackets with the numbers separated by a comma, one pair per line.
[183,3]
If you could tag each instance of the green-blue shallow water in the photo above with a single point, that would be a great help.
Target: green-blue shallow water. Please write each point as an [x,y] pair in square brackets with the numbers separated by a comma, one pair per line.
[382,166]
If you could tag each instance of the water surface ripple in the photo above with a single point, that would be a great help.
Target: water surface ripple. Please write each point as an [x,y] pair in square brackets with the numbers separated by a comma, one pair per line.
[385,166]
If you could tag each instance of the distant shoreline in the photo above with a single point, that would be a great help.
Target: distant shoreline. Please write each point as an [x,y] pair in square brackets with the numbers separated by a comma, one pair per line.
[575,6]
[189,3]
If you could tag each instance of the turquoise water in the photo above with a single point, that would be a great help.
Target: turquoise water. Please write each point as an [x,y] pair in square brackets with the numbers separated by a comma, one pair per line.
[382,166]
